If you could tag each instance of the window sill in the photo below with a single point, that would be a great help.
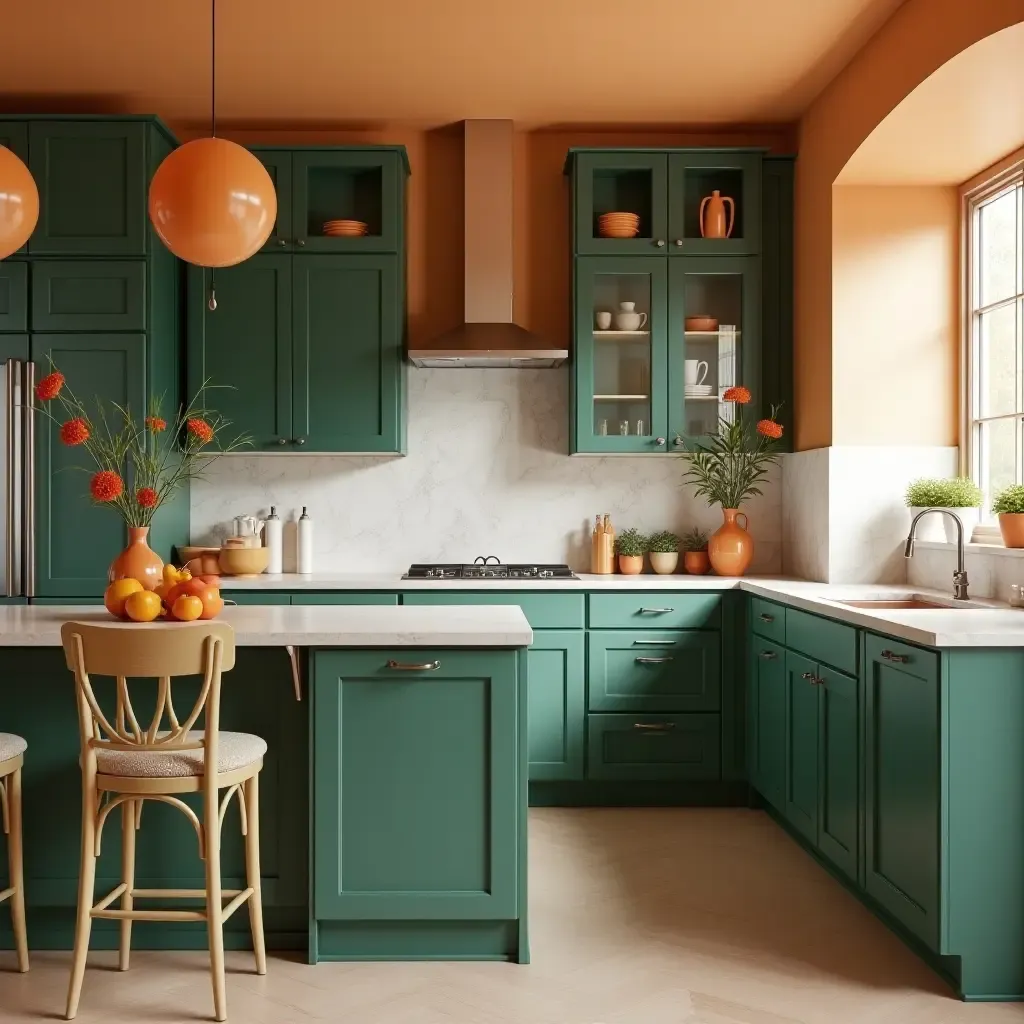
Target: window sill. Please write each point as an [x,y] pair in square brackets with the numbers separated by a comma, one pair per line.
[971,549]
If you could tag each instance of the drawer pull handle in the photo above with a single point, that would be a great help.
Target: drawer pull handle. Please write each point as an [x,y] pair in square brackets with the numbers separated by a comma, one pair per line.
[901,659]
[809,676]
[653,643]
[403,666]
[764,617]
[653,661]
[654,726]
[768,655]
[656,611]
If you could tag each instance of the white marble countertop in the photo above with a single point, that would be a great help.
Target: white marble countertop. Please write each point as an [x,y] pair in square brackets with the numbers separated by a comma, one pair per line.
[317,626]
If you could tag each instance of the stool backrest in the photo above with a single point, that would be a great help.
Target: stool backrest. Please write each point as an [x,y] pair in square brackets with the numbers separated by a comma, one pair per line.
[163,651]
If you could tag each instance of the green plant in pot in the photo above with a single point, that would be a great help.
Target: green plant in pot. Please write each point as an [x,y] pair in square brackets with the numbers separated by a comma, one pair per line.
[958,495]
[631,546]
[1008,504]
[664,549]
[695,556]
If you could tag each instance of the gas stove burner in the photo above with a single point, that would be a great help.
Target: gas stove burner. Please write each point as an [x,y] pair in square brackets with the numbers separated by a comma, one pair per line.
[487,567]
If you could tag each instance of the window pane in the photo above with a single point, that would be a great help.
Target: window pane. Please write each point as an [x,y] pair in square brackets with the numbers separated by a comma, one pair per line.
[998,238]
[998,455]
[998,370]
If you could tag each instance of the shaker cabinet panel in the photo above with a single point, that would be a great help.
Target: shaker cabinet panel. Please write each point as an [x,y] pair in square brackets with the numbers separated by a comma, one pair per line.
[801,806]
[278,163]
[89,295]
[768,721]
[13,296]
[839,769]
[556,683]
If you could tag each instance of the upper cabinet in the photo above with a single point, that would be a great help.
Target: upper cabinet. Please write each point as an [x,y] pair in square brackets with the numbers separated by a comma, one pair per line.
[332,200]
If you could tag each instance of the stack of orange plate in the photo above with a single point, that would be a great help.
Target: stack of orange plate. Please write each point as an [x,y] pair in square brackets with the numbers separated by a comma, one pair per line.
[345,228]
[618,225]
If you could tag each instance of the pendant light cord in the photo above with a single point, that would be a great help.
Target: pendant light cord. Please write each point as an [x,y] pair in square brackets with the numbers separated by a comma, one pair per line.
[213,67]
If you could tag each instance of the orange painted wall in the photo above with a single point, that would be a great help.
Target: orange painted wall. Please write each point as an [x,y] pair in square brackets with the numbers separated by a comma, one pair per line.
[542,253]
[919,37]
[895,284]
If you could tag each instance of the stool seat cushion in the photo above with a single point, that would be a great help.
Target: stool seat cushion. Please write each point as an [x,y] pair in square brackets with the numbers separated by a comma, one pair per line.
[11,746]
[236,750]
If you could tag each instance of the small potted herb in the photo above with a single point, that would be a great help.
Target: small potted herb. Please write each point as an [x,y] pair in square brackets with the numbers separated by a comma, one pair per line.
[958,495]
[664,549]
[695,558]
[1008,504]
[631,546]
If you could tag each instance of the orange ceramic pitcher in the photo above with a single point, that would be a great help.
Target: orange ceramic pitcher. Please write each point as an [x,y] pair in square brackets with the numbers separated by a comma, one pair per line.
[713,220]
[730,547]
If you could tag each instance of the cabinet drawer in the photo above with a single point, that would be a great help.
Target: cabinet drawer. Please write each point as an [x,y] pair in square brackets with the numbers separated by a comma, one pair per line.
[13,296]
[654,671]
[768,619]
[655,611]
[366,597]
[542,611]
[822,640]
[649,747]
[258,597]
[917,661]
[78,295]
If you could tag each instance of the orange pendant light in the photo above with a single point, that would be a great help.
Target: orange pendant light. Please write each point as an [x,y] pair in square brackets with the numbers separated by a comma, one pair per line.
[19,203]
[212,202]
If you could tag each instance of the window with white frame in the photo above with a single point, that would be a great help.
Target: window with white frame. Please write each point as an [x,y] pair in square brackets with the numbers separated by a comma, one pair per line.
[995,333]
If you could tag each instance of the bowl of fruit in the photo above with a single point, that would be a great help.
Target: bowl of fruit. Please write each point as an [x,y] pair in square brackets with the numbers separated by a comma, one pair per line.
[179,597]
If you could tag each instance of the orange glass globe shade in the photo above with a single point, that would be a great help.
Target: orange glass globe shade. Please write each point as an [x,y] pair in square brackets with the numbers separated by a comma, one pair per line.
[19,203]
[212,203]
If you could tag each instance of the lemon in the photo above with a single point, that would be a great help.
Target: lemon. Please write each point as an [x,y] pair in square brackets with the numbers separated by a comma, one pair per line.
[117,593]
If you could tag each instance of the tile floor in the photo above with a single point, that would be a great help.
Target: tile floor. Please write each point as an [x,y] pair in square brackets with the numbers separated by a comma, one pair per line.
[659,916]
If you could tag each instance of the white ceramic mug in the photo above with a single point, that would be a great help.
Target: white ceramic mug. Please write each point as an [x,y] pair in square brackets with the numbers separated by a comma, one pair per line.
[603,320]
[695,371]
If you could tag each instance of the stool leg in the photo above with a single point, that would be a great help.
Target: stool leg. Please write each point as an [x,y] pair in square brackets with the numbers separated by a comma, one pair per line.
[86,886]
[128,877]
[214,901]
[251,789]
[16,866]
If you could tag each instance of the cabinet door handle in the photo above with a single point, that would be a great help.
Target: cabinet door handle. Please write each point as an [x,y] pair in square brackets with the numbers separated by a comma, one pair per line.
[766,618]
[654,643]
[893,656]
[817,681]
[660,242]
[656,611]
[282,440]
[404,666]
[660,442]
[809,676]
[678,442]
[301,241]
[654,726]
[768,655]
[679,241]
[282,242]
[652,661]
[298,440]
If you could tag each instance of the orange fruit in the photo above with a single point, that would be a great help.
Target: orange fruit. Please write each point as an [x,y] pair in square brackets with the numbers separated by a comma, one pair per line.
[212,602]
[187,608]
[143,606]
[117,593]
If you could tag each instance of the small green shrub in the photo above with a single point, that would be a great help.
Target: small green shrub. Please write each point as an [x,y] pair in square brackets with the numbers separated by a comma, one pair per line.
[696,540]
[955,492]
[663,542]
[631,542]
[1010,499]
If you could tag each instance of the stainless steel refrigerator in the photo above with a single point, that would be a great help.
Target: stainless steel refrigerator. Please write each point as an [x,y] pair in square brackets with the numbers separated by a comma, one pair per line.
[17,450]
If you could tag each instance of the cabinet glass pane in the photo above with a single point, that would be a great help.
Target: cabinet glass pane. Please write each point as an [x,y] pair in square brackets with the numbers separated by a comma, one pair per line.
[622,355]
[713,331]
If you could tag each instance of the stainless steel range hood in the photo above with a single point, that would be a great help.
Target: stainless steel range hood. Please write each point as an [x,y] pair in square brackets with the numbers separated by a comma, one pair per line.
[488,337]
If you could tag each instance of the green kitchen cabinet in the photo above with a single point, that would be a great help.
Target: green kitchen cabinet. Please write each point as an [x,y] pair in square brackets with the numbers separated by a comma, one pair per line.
[76,539]
[801,798]
[13,296]
[654,671]
[727,288]
[416,785]
[250,597]
[654,748]
[362,597]
[777,290]
[556,685]
[14,136]
[902,744]
[767,724]
[278,163]
[839,769]
[89,295]
[92,179]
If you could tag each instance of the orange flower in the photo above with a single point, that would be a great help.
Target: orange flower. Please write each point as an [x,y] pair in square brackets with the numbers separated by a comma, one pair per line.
[155,424]
[200,430]
[740,395]
[106,485]
[769,428]
[75,431]
[49,387]
[147,497]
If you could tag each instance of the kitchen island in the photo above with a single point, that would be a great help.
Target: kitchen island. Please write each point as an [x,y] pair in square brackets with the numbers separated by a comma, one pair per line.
[393,795]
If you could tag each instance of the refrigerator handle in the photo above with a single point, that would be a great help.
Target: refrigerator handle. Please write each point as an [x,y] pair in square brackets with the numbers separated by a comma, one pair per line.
[11,457]
[29,476]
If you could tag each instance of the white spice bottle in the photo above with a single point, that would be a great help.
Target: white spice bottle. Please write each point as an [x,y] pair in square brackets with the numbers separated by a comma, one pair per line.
[273,541]
[304,543]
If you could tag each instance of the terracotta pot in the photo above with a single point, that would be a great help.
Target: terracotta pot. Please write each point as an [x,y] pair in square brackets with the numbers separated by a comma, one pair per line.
[717,215]
[138,561]
[664,562]
[731,548]
[631,565]
[696,563]
[1011,526]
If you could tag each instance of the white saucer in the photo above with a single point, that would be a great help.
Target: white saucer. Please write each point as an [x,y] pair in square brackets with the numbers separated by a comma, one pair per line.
[697,389]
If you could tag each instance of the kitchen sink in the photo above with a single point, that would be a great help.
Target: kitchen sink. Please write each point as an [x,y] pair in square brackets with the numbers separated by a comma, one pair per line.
[908,604]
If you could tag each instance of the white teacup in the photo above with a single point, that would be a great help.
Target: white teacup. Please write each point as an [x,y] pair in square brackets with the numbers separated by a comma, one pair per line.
[695,371]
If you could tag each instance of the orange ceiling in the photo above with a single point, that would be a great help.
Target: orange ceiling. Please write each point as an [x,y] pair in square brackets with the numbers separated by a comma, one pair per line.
[433,61]
[959,121]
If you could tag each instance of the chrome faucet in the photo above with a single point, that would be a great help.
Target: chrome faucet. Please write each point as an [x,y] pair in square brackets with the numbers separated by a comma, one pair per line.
[960,576]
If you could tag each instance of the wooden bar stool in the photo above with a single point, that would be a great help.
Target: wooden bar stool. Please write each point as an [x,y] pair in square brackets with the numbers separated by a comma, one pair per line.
[124,763]
[12,754]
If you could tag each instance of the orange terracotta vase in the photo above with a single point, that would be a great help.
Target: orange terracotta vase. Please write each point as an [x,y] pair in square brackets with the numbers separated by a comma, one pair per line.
[138,561]
[731,548]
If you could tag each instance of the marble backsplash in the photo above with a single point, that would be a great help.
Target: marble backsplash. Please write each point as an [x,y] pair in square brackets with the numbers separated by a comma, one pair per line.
[487,473]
